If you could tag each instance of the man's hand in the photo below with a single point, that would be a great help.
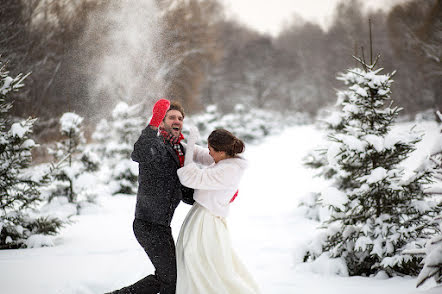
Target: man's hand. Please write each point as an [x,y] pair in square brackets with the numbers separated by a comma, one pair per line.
[158,112]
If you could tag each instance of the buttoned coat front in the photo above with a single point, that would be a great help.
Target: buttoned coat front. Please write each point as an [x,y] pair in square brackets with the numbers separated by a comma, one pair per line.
[160,190]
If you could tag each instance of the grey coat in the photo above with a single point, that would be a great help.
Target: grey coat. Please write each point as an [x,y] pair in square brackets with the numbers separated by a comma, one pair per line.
[159,190]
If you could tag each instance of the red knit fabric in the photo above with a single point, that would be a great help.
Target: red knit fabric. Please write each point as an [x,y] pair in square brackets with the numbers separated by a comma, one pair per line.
[159,111]
[234,196]
[175,142]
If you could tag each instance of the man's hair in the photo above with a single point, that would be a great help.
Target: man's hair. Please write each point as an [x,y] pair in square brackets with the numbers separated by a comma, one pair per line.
[175,105]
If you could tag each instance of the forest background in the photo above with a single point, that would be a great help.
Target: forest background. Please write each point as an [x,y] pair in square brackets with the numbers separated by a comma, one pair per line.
[86,56]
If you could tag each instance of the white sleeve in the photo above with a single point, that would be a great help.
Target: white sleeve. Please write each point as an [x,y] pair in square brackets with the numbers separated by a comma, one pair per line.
[188,157]
[201,155]
[220,177]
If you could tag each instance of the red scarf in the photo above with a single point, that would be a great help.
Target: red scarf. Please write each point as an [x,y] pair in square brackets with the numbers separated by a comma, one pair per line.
[175,142]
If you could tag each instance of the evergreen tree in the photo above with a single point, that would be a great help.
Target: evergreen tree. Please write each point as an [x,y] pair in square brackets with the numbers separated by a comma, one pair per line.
[376,210]
[115,139]
[19,189]
[73,159]
[433,251]
[332,124]
[127,126]
[432,261]
[249,124]
[101,137]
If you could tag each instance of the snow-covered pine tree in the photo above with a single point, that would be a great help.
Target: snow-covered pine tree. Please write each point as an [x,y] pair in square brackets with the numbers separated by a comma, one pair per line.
[249,124]
[433,251]
[436,162]
[124,128]
[332,124]
[376,211]
[72,158]
[19,189]
[432,260]
[101,136]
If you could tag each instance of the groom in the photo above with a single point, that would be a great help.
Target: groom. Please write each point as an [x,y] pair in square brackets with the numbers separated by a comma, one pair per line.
[159,193]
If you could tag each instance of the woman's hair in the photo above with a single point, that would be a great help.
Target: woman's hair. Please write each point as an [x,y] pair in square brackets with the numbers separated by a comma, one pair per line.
[223,140]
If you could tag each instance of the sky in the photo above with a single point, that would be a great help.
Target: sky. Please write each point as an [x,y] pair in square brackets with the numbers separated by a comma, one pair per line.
[270,16]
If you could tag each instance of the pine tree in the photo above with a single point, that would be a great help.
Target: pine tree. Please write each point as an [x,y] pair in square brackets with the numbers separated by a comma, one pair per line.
[19,189]
[102,136]
[332,124]
[433,251]
[376,211]
[115,139]
[72,158]
[432,260]
[126,125]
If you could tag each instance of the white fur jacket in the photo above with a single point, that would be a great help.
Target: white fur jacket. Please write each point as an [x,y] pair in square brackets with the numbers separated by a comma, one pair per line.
[215,184]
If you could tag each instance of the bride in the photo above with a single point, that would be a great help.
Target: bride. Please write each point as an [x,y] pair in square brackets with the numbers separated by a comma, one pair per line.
[206,261]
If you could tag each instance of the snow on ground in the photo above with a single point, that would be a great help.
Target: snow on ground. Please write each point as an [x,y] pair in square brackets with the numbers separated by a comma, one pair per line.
[99,253]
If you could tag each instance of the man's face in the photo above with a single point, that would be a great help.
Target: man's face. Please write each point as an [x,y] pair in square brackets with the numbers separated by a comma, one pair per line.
[173,122]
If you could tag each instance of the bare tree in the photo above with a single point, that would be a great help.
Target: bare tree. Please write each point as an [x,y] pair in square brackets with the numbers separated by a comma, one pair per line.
[189,47]
[415,28]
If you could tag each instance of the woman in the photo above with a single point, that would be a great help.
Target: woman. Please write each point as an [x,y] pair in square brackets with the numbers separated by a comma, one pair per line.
[206,262]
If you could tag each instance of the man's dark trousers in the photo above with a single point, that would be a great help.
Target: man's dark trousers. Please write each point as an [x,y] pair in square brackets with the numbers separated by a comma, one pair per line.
[159,245]
[159,193]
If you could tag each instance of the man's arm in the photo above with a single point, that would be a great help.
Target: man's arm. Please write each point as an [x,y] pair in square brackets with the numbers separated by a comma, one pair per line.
[146,147]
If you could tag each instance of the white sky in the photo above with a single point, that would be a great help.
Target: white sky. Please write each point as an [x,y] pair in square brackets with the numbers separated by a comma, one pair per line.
[269,16]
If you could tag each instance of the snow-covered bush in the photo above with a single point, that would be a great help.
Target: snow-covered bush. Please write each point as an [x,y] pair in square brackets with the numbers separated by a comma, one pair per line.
[433,251]
[376,211]
[332,122]
[309,206]
[73,159]
[19,188]
[432,260]
[249,124]
[114,141]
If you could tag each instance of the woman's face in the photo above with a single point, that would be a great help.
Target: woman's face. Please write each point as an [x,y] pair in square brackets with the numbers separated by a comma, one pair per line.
[217,155]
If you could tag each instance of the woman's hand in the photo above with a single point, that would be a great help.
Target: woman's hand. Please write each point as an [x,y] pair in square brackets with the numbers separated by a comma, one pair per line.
[194,135]
[191,140]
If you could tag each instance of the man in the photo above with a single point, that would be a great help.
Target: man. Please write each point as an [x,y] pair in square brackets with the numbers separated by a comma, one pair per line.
[159,193]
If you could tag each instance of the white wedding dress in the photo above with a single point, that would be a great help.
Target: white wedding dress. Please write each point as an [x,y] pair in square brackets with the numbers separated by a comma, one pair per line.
[206,262]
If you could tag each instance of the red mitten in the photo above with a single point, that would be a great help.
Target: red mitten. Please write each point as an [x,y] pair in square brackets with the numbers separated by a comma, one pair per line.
[159,111]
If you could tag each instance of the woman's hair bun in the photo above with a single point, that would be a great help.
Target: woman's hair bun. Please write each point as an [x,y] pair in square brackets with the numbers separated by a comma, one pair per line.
[223,140]
[238,146]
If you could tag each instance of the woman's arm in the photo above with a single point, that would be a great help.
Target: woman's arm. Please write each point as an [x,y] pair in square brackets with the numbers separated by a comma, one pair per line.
[219,177]
[195,153]
[201,155]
